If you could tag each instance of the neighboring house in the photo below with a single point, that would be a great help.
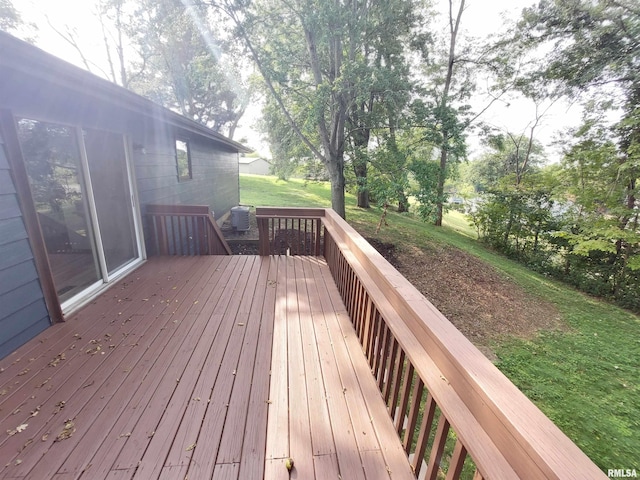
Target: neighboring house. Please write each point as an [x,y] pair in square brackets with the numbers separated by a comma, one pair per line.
[80,159]
[255,166]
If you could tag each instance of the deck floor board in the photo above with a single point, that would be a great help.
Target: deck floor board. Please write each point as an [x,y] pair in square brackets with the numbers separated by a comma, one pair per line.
[208,367]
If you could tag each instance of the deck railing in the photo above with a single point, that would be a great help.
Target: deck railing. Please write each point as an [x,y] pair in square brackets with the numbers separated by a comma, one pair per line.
[184,230]
[290,231]
[456,414]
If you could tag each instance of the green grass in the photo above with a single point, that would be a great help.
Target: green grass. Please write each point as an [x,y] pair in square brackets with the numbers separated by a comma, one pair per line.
[587,380]
[261,191]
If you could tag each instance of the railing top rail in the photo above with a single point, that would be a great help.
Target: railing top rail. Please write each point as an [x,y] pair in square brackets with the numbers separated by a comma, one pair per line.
[290,212]
[153,209]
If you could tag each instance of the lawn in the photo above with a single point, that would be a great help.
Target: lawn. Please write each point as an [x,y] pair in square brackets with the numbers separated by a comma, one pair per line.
[586,379]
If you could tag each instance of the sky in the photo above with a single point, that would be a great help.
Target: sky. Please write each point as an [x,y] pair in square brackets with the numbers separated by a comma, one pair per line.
[481,17]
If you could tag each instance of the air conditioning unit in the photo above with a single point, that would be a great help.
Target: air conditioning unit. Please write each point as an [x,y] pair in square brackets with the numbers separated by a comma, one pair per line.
[240,218]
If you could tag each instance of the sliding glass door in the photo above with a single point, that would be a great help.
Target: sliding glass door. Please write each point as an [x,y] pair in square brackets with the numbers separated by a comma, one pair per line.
[112,195]
[81,189]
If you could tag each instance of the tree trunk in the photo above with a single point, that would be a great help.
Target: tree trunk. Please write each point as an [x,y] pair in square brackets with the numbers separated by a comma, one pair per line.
[453,31]
[336,172]
[442,176]
[403,202]
[360,170]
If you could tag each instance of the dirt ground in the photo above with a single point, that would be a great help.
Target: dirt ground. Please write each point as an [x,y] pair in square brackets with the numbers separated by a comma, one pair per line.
[480,302]
[484,305]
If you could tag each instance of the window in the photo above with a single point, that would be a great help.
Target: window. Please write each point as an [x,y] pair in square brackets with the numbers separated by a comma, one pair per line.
[183,160]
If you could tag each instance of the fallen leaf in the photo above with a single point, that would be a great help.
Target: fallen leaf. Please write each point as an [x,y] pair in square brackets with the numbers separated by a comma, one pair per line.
[68,430]
[23,372]
[93,351]
[57,359]
[59,406]
[190,447]
[18,429]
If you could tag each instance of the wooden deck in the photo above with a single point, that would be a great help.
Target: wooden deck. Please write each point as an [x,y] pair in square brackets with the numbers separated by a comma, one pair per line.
[200,367]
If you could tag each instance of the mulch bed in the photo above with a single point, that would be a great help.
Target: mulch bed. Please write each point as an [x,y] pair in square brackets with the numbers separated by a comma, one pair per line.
[482,303]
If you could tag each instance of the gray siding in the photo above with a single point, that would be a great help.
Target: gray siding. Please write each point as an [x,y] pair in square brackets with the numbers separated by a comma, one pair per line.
[24,313]
[215,173]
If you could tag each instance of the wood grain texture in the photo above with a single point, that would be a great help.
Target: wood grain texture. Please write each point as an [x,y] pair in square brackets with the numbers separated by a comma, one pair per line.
[199,367]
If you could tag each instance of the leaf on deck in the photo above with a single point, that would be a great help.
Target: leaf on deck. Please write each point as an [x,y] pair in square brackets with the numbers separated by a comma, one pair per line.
[68,430]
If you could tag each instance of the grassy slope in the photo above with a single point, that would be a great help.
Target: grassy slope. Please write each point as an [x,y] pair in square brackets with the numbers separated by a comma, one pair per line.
[587,381]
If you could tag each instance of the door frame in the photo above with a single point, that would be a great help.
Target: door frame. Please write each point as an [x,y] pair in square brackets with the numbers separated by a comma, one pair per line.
[58,310]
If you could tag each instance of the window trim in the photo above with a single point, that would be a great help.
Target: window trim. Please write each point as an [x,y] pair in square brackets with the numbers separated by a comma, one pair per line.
[189,176]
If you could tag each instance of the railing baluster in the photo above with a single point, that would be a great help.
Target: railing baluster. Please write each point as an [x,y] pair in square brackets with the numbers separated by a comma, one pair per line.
[173,249]
[457,461]
[376,342]
[423,435]
[317,237]
[373,328]
[438,447]
[397,379]
[363,300]
[404,399]
[412,420]
[379,351]
[384,355]
[391,369]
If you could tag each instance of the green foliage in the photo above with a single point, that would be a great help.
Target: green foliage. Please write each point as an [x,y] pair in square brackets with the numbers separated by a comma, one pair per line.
[387,182]
[577,221]
[425,174]
[334,71]
[180,64]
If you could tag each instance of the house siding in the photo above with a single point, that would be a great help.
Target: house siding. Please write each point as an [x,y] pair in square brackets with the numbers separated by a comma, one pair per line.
[215,173]
[24,312]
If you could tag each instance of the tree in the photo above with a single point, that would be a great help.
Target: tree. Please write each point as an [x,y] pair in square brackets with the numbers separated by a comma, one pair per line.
[164,50]
[602,234]
[451,79]
[509,155]
[184,66]
[596,55]
[311,57]
[391,35]
[9,17]
[287,152]
[596,51]
[449,123]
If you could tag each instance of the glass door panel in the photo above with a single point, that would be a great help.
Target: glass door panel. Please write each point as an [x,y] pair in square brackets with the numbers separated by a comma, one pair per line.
[52,160]
[112,196]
